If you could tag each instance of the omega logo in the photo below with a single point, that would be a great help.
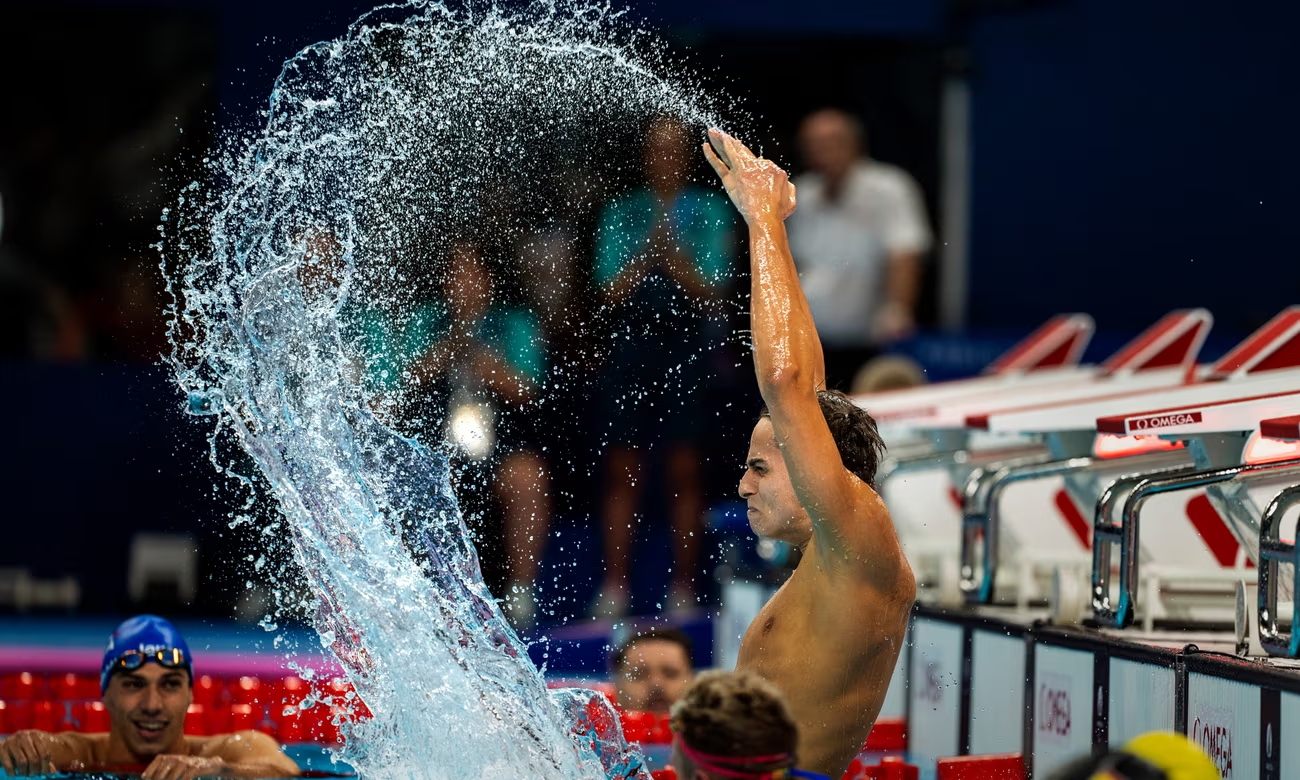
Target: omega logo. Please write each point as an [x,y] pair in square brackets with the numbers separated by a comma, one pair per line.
[1216,740]
[1054,711]
[1163,421]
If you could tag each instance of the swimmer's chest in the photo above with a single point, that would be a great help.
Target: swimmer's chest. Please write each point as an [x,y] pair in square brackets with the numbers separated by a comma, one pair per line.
[803,625]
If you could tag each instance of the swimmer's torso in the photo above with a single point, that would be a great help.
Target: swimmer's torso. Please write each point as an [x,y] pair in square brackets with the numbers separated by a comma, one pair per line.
[829,641]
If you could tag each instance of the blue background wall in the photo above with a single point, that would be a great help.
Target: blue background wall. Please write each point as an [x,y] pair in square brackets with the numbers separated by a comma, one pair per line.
[1131,157]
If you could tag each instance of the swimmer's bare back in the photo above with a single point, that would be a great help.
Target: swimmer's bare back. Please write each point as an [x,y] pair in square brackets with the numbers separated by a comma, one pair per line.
[831,635]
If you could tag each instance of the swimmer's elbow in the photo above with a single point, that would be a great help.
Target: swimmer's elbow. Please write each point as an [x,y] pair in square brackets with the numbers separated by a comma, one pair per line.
[779,379]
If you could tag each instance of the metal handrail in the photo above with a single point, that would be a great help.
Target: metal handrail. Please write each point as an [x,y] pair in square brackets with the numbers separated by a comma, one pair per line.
[1106,534]
[975,493]
[981,515]
[980,591]
[927,460]
[1272,551]
[1123,613]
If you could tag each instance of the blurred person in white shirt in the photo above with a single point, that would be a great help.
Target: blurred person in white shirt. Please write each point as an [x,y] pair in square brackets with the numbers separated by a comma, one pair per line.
[858,238]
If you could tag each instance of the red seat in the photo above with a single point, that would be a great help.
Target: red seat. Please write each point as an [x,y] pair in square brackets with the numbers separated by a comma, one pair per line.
[313,724]
[47,715]
[74,687]
[889,768]
[1006,766]
[888,735]
[21,686]
[19,715]
[648,728]
[338,692]
[208,691]
[637,725]
[290,691]
[242,717]
[246,690]
[94,718]
[196,721]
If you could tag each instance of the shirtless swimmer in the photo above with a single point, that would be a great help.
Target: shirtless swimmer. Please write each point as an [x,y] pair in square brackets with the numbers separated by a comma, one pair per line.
[831,635]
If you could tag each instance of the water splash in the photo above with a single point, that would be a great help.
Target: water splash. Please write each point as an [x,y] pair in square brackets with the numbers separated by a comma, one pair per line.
[377,147]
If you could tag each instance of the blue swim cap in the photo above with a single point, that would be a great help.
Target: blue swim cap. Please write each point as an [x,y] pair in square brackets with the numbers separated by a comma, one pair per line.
[145,634]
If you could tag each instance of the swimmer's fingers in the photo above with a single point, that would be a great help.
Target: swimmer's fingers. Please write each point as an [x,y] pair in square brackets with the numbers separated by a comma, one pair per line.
[7,757]
[38,755]
[157,769]
[719,167]
[24,756]
[718,144]
[791,201]
[737,153]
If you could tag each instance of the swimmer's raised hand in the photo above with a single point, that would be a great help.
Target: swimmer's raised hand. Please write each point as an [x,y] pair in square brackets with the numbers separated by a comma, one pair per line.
[757,186]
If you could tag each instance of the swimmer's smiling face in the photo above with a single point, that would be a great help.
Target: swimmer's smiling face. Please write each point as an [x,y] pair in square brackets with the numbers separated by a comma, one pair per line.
[147,710]
[774,509]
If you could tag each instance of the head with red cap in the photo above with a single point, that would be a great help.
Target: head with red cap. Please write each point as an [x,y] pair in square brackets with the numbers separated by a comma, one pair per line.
[733,725]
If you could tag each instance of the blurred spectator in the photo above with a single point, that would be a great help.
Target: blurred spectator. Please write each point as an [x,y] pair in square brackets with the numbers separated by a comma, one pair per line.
[473,365]
[858,236]
[488,359]
[36,317]
[663,253]
[888,372]
[652,670]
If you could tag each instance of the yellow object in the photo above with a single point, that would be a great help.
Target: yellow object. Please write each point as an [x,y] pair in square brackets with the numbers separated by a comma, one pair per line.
[1176,754]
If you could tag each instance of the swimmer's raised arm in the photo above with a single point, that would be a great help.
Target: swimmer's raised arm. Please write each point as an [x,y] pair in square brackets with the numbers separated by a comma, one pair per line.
[850,523]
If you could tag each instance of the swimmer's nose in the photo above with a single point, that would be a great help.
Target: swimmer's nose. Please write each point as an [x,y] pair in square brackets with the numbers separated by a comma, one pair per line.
[745,492]
[152,702]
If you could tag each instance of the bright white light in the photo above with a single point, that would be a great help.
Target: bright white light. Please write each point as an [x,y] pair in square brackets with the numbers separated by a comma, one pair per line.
[469,429]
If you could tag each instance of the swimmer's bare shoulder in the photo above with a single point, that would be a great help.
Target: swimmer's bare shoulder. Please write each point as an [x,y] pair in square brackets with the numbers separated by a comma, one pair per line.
[249,753]
[829,639]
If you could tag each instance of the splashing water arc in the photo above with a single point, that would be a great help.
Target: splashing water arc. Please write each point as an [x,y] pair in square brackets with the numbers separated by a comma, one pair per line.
[376,145]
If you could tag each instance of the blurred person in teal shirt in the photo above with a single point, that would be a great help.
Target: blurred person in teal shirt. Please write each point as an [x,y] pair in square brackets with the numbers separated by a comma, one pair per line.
[663,261]
[465,368]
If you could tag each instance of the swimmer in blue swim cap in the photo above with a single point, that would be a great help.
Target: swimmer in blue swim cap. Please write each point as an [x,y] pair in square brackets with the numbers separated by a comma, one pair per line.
[146,679]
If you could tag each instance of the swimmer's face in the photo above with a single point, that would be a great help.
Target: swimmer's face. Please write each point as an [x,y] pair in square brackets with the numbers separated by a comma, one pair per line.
[147,708]
[655,674]
[774,509]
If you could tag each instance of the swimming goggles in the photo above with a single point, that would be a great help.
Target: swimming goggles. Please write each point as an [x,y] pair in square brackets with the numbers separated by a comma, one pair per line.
[170,658]
[734,766]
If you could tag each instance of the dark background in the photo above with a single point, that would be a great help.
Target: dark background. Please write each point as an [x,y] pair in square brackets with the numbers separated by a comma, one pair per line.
[1128,158]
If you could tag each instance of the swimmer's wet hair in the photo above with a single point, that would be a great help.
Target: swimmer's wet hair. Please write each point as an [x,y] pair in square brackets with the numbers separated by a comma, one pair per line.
[736,714]
[854,432]
[662,634]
